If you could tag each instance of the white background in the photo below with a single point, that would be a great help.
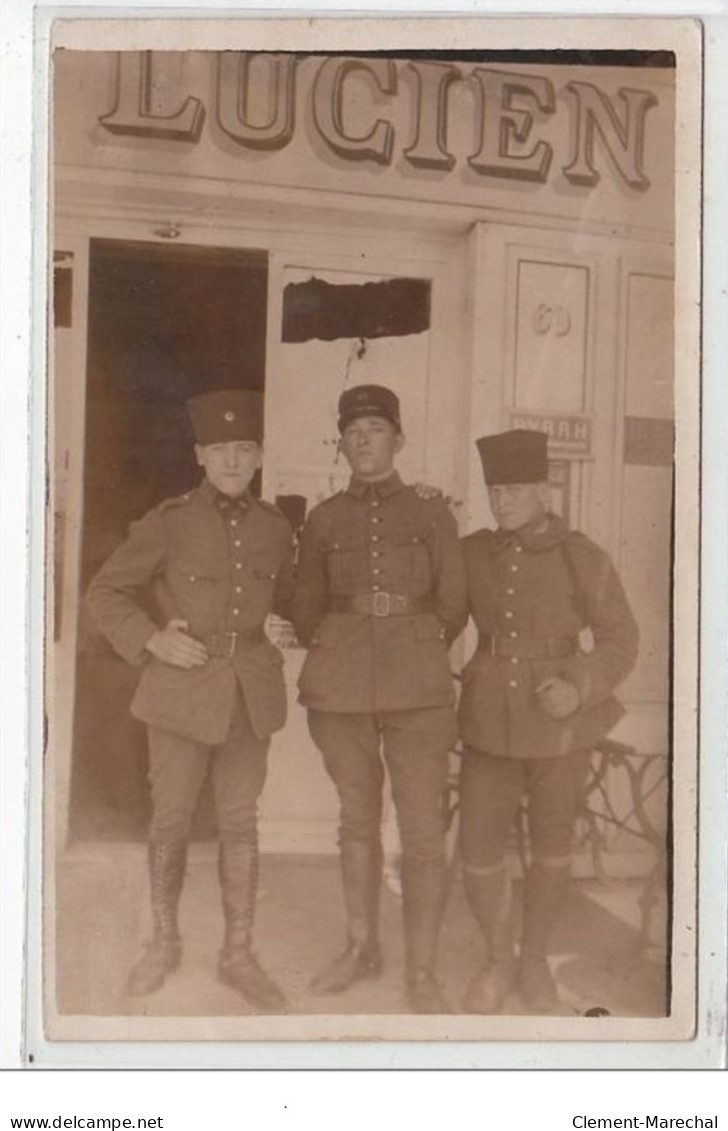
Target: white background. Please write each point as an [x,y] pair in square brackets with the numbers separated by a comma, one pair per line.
[346,1100]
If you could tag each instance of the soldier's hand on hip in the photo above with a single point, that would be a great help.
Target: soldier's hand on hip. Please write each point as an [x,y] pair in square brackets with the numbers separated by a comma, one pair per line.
[558,697]
[173,645]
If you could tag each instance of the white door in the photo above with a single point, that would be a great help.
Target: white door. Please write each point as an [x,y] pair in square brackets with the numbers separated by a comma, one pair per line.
[570,323]
[385,312]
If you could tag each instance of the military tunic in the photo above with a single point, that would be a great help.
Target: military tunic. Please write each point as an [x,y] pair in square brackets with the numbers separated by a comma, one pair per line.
[379,597]
[222,567]
[532,592]
[379,542]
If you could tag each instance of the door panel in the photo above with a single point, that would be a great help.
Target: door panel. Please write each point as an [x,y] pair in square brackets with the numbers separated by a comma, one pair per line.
[399,333]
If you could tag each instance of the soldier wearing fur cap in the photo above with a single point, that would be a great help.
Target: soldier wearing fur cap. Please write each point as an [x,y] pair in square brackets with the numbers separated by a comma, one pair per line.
[533,707]
[380,596]
[211,692]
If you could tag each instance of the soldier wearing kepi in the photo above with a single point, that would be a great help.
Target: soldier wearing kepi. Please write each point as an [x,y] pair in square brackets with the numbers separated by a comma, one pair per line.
[212,691]
[379,598]
[533,707]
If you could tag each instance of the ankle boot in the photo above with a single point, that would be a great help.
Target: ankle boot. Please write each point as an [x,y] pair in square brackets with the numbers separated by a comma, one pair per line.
[489,897]
[162,955]
[361,873]
[423,900]
[238,966]
[545,893]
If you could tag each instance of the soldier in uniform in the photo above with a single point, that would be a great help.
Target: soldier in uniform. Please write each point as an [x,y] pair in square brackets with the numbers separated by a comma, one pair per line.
[379,598]
[533,707]
[212,690]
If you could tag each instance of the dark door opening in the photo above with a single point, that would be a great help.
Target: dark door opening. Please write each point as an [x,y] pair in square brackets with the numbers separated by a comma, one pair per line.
[164,323]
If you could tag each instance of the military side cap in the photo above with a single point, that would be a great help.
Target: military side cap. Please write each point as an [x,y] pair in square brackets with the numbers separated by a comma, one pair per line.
[519,456]
[230,414]
[368,400]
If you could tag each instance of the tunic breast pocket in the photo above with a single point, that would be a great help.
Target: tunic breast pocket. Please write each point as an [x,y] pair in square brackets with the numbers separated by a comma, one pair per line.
[407,563]
[195,588]
[264,577]
[196,573]
[346,560]
[262,565]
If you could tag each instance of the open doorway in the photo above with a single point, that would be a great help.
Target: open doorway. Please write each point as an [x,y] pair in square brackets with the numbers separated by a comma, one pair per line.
[164,323]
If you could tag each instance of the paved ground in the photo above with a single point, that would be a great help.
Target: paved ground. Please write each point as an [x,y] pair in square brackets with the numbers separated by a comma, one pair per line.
[102,920]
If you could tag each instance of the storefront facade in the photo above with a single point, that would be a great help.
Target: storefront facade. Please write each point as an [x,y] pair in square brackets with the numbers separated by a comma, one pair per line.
[494,240]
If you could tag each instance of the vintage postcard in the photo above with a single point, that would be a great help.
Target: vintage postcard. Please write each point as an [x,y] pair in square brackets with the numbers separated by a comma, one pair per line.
[372,536]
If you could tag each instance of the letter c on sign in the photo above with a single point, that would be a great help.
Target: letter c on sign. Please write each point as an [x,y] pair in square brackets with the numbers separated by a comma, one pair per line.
[328,109]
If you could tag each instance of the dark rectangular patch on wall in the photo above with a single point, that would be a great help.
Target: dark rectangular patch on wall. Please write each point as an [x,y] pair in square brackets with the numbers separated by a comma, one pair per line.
[327,311]
[649,441]
[62,296]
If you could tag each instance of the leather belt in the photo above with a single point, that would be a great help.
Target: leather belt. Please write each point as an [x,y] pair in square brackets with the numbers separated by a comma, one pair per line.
[379,604]
[528,647]
[225,644]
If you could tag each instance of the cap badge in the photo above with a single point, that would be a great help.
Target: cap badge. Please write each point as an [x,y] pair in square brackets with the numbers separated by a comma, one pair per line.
[229,415]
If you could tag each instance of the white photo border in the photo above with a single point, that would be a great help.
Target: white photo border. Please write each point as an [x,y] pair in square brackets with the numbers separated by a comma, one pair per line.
[706,1048]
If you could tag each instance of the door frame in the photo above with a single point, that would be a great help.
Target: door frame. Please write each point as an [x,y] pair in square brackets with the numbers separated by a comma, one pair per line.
[289,236]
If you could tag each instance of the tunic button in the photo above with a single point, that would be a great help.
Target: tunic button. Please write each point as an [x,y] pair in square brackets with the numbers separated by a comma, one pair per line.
[519,549]
[512,683]
[510,592]
[233,522]
[514,569]
[513,634]
[235,612]
[514,659]
[374,537]
[375,587]
[238,589]
[375,502]
[376,553]
[509,614]
[238,565]
[237,542]
[375,518]
[376,571]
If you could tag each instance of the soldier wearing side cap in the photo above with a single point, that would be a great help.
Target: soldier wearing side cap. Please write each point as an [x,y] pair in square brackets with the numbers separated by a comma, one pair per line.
[379,598]
[534,705]
[211,691]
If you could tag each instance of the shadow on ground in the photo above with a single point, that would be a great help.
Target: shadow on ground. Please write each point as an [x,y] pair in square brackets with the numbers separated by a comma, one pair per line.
[102,921]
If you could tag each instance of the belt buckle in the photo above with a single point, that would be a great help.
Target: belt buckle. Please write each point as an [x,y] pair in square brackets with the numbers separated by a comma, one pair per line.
[233,641]
[381,606]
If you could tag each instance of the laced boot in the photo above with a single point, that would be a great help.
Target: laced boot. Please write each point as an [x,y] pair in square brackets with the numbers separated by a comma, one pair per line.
[238,967]
[361,873]
[423,900]
[162,955]
[546,890]
[489,897]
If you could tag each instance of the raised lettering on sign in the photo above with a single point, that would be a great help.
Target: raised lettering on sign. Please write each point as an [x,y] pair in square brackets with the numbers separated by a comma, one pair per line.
[623,136]
[133,115]
[233,98]
[257,98]
[328,109]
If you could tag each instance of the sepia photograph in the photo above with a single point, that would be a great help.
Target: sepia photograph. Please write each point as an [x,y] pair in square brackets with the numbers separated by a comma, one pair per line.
[371,548]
